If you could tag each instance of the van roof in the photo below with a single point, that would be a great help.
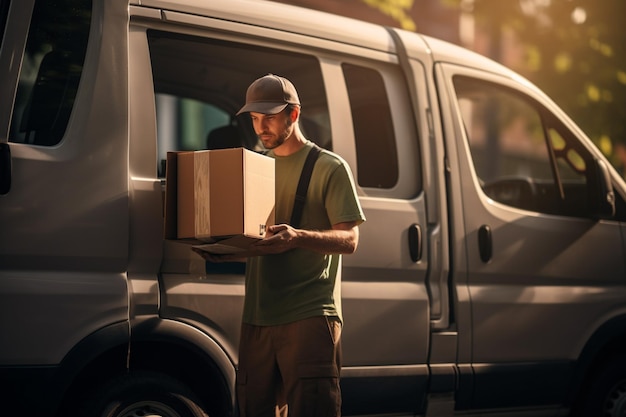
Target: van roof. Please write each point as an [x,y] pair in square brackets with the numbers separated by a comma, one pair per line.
[286,17]
[329,26]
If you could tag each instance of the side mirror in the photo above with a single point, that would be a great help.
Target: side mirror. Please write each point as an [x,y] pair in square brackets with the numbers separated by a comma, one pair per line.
[601,193]
[5,168]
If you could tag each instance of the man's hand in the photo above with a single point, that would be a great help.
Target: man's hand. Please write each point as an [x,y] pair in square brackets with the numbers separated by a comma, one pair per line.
[342,238]
[279,238]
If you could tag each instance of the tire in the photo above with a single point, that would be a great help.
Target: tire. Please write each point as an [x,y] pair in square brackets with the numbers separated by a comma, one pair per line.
[606,393]
[142,394]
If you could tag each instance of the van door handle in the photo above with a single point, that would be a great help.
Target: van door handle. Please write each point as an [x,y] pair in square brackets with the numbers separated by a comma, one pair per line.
[485,243]
[5,168]
[415,242]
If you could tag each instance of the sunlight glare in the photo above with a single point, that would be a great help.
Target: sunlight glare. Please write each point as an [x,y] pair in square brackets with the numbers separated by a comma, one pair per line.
[579,15]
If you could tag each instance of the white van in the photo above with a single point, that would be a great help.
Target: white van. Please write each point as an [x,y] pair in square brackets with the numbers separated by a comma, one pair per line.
[490,276]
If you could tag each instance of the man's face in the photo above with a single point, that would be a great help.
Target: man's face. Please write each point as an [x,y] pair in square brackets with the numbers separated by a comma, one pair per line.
[272,129]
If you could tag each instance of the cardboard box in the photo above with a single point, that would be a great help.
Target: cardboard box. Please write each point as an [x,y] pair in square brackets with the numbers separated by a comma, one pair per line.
[224,195]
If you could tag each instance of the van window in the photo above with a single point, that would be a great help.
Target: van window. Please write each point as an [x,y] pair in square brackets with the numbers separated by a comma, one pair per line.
[201,83]
[377,157]
[186,124]
[51,70]
[4,13]
[523,156]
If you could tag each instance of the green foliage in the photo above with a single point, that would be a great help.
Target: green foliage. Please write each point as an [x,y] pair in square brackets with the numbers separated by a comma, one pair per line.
[574,51]
[398,10]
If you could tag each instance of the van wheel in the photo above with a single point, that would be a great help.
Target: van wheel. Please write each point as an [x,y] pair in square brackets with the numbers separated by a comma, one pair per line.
[142,394]
[606,394]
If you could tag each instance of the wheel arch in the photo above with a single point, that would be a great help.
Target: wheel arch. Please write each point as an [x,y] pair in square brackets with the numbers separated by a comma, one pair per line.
[154,344]
[188,354]
[105,350]
[607,341]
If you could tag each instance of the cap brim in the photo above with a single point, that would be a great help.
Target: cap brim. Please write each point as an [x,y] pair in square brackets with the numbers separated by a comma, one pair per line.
[263,107]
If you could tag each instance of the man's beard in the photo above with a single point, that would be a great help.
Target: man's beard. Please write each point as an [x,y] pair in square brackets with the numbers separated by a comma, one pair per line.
[281,138]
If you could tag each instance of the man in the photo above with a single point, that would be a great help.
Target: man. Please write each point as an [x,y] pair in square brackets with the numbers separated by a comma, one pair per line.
[290,351]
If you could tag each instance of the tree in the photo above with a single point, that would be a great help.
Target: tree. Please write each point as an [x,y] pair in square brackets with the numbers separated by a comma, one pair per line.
[573,51]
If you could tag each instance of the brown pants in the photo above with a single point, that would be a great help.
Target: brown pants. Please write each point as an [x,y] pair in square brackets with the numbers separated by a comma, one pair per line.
[290,368]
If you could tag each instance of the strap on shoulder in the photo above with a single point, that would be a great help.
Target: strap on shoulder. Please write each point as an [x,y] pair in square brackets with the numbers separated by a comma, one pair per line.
[303,185]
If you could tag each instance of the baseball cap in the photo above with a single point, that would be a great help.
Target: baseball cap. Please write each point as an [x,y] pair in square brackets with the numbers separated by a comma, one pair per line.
[270,95]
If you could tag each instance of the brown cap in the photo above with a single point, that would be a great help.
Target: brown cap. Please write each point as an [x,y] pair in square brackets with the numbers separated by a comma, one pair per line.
[270,95]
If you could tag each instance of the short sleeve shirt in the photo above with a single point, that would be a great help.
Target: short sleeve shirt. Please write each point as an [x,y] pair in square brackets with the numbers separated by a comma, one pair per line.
[300,283]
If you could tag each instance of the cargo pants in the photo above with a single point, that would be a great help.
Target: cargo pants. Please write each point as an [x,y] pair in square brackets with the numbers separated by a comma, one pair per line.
[291,369]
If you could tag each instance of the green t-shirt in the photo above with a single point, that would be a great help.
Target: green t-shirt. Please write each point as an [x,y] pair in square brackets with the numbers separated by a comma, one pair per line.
[299,284]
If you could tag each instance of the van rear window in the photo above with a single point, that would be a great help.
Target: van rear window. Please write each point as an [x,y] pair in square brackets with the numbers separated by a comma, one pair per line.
[51,70]
[4,13]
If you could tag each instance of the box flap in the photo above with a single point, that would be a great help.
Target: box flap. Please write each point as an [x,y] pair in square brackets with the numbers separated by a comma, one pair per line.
[232,245]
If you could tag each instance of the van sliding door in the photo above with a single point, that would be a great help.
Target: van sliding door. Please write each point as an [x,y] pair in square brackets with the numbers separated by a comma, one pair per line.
[200,80]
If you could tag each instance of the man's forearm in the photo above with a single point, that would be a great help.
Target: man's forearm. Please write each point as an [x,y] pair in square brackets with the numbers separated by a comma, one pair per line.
[328,241]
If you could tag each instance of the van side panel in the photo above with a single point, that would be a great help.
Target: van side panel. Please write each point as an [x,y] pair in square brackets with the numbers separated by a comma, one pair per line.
[64,239]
